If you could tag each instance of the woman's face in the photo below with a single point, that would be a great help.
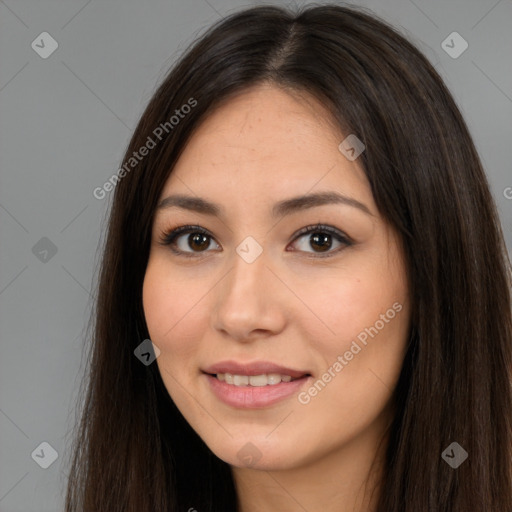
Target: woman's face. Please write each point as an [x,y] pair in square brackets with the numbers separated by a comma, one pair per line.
[256,297]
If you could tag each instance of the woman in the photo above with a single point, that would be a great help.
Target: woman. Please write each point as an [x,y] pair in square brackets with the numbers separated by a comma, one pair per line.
[303,229]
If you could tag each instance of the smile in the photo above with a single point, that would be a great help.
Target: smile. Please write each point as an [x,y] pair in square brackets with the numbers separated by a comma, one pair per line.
[270,379]
[264,391]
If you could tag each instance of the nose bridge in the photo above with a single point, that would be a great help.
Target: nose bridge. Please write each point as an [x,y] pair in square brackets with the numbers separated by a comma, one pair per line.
[249,269]
[242,301]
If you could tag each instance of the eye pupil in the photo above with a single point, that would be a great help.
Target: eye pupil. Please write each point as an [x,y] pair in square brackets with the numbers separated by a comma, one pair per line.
[323,240]
[199,238]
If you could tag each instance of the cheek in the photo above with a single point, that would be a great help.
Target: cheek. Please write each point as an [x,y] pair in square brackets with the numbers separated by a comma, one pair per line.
[156,299]
[367,316]
[348,305]
[172,312]
[361,362]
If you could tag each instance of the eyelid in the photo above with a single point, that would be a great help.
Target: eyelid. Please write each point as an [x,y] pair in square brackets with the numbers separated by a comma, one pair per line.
[338,234]
[168,237]
[319,227]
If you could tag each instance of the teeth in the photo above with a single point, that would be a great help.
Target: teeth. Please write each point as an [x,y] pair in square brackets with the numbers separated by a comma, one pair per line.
[269,379]
[241,380]
[258,380]
[273,378]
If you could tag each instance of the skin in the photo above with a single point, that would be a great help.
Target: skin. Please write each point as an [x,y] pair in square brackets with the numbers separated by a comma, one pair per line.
[289,306]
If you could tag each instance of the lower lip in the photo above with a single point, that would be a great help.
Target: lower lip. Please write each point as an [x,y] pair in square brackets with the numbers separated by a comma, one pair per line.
[254,397]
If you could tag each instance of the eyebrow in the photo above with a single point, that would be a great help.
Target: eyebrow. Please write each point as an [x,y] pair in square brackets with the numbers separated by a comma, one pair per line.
[282,208]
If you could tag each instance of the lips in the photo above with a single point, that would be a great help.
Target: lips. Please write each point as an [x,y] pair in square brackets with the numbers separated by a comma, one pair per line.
[244,392]
[254,368]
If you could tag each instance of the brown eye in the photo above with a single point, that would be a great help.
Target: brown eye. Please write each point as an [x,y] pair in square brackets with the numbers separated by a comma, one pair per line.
[321,238]
[197,241]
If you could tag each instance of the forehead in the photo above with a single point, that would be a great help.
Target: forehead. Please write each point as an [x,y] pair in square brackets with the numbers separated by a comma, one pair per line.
[265,142]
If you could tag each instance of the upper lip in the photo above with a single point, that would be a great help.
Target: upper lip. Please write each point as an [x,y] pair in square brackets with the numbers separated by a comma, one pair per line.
[253,368]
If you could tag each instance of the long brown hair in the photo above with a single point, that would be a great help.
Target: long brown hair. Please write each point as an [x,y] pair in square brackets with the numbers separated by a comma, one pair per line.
[134,452]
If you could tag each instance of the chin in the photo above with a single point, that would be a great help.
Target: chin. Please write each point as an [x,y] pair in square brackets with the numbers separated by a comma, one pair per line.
[258,452]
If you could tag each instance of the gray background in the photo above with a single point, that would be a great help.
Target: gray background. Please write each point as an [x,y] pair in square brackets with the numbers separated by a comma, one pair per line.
[64,125]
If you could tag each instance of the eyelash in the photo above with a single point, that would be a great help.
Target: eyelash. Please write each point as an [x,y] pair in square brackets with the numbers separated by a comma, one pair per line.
[168,238]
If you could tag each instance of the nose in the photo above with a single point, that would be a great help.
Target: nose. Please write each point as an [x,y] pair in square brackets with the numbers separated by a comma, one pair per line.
[250,302]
